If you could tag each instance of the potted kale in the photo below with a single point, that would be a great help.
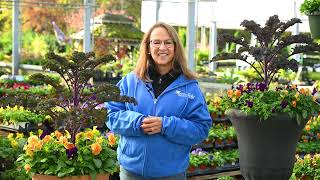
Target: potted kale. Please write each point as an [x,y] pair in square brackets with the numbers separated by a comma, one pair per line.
[268,121]
[312,9]
[73,147]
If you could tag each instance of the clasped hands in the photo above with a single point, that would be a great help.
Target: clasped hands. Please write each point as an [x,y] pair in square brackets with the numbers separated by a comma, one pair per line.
[151,125]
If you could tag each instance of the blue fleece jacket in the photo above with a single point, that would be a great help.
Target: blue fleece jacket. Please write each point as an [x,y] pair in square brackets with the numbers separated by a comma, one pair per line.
[185,121]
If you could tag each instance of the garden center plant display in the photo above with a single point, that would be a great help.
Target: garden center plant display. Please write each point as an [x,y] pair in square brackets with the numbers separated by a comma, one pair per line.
[268,120]
[72,149]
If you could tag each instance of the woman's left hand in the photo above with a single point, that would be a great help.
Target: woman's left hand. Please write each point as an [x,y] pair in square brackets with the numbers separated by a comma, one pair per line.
[152,125]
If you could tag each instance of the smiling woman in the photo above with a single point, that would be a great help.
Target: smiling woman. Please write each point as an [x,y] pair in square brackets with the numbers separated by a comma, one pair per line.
[154,127]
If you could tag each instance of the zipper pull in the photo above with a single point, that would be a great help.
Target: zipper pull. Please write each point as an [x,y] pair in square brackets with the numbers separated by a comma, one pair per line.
[155,101]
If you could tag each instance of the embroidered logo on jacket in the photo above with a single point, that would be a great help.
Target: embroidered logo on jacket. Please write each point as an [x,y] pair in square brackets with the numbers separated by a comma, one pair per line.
[181,94]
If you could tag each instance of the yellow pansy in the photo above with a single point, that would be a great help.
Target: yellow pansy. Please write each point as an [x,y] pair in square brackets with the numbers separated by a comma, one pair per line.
[19,135]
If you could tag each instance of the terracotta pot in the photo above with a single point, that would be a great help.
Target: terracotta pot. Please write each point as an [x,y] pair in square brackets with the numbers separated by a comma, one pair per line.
[84,177]
[191,168]
[213,115]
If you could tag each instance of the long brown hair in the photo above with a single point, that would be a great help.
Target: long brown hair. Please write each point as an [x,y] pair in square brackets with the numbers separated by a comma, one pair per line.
[179,58]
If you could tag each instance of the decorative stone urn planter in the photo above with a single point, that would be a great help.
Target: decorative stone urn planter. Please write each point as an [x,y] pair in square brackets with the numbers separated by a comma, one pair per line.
[267,148]
[87,177]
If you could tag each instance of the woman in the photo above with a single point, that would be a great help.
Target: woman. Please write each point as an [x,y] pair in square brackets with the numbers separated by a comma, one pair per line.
[170,116]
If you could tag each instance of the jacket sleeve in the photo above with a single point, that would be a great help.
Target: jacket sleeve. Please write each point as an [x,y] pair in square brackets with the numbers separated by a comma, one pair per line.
[193,128]
[122,121]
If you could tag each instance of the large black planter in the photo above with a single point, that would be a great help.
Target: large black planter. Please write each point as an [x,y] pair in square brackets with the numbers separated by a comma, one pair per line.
[267,148]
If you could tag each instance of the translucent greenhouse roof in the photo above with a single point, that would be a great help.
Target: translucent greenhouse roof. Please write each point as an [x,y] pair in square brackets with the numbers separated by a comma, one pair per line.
[227,13]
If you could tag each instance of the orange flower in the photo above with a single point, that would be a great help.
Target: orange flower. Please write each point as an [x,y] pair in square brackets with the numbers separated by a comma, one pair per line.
[58,134]
[230,93]
[63,140]
[238,93]
[294,103]
[68,145]
[89,135]
[294,86]
[27,167]
[96,148]
[47,138]
[33,139]
[39,144]
[302,91]
[111,139]
[308,127]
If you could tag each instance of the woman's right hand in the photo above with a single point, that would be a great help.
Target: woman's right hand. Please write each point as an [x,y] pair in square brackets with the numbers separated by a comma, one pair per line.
[152,125]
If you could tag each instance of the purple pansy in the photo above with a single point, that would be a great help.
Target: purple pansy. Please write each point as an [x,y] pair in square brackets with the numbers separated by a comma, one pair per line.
[240,88]
[261,86]
[314,91]
[284,104]
[71,152]
[250,104]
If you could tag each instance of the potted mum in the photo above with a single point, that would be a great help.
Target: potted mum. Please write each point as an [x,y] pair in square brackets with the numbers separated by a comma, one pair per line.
[72,149]
[268,121]
[312,9]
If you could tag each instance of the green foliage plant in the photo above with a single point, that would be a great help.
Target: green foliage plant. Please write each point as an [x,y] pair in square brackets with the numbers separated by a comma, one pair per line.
[11,147]
[13,115]
[268,58]
[310,7]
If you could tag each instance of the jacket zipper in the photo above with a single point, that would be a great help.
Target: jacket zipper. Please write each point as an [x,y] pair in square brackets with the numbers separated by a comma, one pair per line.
[147,137]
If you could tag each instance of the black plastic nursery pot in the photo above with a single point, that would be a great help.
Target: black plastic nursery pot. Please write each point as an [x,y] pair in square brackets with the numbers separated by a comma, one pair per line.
[267,147]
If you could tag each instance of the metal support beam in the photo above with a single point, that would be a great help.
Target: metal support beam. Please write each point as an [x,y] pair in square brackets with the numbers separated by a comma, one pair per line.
[87,16]
[191,40]
[296,29]
[157,10]
[213,44]
[15,38]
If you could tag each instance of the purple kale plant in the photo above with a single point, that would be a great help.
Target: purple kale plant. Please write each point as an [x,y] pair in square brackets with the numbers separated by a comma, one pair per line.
[75,103]
[270,44]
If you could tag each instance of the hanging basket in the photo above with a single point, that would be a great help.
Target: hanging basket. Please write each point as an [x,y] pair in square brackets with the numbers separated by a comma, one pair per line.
[314,24]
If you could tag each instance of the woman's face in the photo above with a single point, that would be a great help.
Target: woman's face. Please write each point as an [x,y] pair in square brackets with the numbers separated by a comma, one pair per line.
[162,49]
